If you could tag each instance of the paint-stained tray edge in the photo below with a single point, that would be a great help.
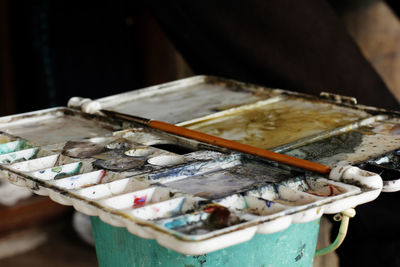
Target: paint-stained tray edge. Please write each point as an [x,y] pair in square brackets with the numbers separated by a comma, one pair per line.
[192,247]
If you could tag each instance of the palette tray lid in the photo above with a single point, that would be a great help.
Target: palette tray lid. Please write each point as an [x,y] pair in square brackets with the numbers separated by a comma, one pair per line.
[206,103]
[178,101]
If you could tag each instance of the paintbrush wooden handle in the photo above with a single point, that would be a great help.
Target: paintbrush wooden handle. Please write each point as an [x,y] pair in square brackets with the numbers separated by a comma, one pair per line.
[301,163]
[206,138]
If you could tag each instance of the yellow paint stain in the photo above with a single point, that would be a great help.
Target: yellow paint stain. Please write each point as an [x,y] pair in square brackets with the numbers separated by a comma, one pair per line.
[277,123]
[4,139]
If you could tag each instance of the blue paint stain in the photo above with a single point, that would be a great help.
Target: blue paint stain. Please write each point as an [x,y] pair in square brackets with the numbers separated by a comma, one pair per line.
[13,146]
[176,223]
[178,208]
[267,202]
[246,205]
[187,170]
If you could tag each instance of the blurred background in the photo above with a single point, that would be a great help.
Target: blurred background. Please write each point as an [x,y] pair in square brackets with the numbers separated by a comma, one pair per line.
[51,51]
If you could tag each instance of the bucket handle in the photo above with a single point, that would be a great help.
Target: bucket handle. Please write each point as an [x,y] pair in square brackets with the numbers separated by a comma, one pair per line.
[344,217]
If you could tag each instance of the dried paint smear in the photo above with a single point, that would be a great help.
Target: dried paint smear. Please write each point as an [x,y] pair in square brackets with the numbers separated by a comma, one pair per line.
[278,123]
[61,126]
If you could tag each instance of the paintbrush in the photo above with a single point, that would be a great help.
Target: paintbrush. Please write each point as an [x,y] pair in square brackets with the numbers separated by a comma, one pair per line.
[221,142]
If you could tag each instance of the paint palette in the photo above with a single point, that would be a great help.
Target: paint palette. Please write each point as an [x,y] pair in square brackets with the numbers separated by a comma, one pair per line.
[192,197]
[202,195]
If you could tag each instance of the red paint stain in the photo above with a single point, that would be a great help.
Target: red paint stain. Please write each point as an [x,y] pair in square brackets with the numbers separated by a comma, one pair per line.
[156,209]
[103,173]
[331,192]
[139,201]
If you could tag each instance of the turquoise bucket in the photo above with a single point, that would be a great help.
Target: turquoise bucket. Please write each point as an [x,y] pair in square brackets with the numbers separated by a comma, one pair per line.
[294,246]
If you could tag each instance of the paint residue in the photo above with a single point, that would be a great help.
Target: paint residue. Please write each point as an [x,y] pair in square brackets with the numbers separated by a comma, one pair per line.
[82,149]
[278,123]
[219,183]
[194,100]
[395,130]
[212,218]
[339,144]
[139,201]
[103,174]
[387,166]
[219,216]
[61,126]
[116,160]
[14,146]
[4,139]
[328,191]
[61,173]
[212,185]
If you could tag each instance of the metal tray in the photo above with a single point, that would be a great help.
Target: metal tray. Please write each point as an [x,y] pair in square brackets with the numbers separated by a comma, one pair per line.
[279,120]
[190,202]
[191,197]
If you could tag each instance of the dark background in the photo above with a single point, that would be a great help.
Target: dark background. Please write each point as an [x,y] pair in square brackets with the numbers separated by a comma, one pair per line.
[53,50]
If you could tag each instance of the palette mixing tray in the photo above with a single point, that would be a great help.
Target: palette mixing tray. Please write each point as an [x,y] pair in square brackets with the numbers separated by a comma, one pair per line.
[191,197]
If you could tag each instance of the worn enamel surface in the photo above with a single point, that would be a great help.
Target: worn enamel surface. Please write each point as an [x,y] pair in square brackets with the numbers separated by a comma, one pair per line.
[196,97]
[63,125]
[179,191]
